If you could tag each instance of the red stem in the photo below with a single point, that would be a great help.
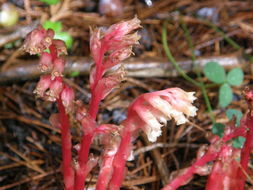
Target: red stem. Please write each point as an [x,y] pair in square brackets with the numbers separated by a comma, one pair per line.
[246,150]
[181,180]
[83,154]
[105,172]
[120,160]
[82,160]
[68,172]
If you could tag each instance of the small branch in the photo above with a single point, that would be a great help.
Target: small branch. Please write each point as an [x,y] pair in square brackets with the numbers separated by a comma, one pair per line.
[227,38]
[22,70]
[197,71]
[172,59]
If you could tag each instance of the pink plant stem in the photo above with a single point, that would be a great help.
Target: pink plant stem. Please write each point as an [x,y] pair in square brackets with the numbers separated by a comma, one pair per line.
[105,172]
[120,160]
[68,172]
[82,160]
[83,154]
[246,150]
[181,180]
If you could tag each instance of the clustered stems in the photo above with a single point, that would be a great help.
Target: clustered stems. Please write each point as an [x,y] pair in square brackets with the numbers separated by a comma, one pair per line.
[227,172]
[148,113]
[117,42]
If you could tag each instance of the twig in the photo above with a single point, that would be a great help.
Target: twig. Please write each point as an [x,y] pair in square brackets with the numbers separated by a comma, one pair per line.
[145,67]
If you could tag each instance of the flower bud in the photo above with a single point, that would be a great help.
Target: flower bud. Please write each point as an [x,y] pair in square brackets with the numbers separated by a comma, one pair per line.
[60,47]
[43,85]
[58,67]
[110,82]
[45,63]
[117,56]
[119,30]
[38,40]
[68,97]
[95,44]
[55,89]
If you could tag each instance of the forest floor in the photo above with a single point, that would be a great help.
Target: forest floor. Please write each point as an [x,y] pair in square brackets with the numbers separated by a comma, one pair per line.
[30,148]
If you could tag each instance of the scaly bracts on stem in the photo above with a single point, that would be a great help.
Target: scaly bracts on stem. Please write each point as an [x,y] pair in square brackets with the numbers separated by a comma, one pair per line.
[108,48]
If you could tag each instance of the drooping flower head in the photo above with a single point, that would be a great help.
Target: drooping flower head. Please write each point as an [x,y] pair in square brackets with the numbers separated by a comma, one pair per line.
[151,111]
[38,40]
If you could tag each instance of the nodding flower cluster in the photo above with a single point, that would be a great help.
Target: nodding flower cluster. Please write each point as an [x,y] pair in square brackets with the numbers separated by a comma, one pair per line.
[148,113]
[50,87]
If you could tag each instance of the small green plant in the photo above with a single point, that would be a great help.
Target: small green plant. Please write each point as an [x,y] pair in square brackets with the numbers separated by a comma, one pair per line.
[59,34]
[218,128]
[50,2]
[231,113]
[216,73]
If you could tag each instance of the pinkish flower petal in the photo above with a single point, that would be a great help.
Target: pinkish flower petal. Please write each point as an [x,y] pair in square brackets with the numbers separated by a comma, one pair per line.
[55,89]
[108,83]
[45,63]
[117,56]
[95,44]
[58,67]
[117,31]
[153,109]
[43,85]
[60,47]
[38,40]
[88,124]
[68,97]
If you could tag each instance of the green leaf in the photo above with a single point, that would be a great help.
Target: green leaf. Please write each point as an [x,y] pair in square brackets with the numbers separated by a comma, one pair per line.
[55,26]
[235,77]
[218,129]
[50,2]
[66,37]
[233,112]
[214,72]
[9,45]
[238,142]
[75,73]
[225,95]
